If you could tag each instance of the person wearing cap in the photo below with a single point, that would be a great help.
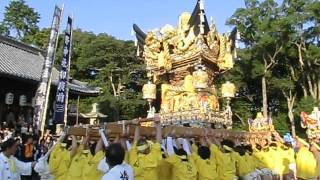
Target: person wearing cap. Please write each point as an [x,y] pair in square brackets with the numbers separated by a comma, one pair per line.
[305,160]
[165,168]
[266,155]
[226,163]
[102,165]
[84,164]
[80,159]
[288,154]
[259,155]
[204,160]
[280,158]
[244,164]
[315,149]
[90,170]
[11,167]
[249,157]
[118,169]
[60,157]
[145,158]
[276,156]
[183,164]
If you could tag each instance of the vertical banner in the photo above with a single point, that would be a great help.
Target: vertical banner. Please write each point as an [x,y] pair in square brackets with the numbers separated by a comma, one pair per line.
[42,94]
[62,89]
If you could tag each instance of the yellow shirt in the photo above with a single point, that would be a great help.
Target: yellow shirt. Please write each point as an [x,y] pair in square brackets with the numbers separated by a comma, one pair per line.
[306,164]
[90,169]
[317,156]
[77,165]
[288,158]
[145,166]
[244,164]
[207,169]
[226,164]
[259,159]
[126,157]
[276,160]
[59,162]
[182,170]
[267,158]
[165,172]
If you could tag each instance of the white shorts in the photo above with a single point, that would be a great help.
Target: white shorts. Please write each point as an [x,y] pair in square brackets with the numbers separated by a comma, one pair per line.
[265,171]
[252,176]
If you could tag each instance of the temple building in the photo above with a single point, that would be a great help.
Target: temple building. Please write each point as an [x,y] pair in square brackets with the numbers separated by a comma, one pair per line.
[20,72]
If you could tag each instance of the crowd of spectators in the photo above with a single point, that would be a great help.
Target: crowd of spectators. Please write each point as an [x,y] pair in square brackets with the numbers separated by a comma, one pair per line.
[31,147]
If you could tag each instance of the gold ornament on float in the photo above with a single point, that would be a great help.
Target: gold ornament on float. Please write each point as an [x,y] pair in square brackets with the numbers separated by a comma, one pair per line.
[200,78]
[149,91]
[228,90]
[260,123]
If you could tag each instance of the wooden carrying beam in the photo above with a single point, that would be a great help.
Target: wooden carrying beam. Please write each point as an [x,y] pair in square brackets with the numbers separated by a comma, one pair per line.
[117,129]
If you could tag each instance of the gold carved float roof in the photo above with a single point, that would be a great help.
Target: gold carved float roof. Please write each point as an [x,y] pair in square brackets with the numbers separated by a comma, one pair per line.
[193,41]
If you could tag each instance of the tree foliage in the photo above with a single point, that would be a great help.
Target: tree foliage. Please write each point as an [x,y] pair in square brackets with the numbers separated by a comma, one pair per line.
[280,42]
[19,20]
[111,58]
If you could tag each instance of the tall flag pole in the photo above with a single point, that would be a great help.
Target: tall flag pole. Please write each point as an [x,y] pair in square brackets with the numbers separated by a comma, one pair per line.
[60,110]
[42,94]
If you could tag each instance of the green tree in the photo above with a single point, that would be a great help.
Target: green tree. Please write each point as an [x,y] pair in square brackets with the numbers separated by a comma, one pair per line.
[39,38]
[260,28]
[19,20]
[279,59]
[112,58]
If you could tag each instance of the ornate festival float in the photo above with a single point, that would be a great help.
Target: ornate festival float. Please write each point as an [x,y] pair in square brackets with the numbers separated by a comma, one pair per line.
[182,64]
[184,61]
[260,124]
[311,122]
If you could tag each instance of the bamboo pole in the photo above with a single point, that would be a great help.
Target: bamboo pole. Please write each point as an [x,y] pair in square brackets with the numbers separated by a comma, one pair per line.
[114,130]
[77,116]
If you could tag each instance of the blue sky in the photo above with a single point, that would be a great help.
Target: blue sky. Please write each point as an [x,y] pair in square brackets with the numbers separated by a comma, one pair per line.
[116,17]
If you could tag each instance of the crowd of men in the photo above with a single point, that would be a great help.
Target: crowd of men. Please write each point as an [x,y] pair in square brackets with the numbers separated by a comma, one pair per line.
[163,158]
[28,146]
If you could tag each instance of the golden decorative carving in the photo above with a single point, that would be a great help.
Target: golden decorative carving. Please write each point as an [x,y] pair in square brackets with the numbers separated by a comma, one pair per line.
[173,55]
[201,79]
[169,45]
[311,123]
[213,40]
[156,55]
[185,97]
[184,41]
[260,123]
[225,59]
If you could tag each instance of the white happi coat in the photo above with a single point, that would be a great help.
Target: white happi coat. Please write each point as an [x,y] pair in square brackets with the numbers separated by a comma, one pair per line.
[6,173]
[119,172]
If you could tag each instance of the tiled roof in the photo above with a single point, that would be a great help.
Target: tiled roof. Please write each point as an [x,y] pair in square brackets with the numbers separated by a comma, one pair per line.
[23,61]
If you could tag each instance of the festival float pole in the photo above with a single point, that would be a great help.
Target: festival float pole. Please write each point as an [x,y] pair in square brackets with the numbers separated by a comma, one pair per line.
[42,94]
[70,29]
[60,110]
